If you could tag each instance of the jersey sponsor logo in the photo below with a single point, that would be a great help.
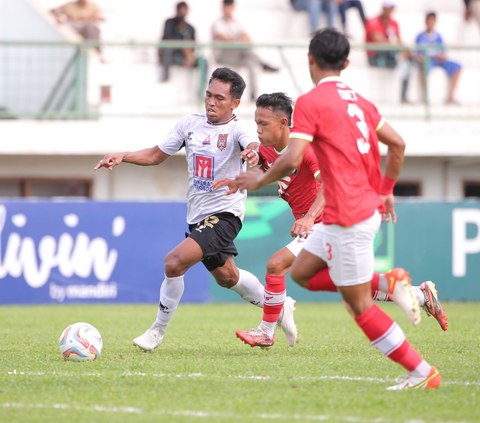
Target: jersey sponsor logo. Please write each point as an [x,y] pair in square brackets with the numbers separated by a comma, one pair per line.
[203,172]
[206,141]
[203,167]
[222,141]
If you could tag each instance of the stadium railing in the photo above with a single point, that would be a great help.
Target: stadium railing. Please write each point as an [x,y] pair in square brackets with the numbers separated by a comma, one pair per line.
[53,80]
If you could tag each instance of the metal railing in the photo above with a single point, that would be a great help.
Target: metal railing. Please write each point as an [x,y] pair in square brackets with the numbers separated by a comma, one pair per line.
[55,80]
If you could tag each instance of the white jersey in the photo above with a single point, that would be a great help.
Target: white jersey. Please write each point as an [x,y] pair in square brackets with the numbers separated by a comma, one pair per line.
[212,152]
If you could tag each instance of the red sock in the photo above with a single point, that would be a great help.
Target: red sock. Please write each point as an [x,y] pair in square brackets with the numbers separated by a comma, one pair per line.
[322,282]
[275,295]
[388,338]
[377,295]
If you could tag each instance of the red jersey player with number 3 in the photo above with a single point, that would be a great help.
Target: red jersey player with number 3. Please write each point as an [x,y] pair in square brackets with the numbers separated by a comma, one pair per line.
[344,129]
[301,190]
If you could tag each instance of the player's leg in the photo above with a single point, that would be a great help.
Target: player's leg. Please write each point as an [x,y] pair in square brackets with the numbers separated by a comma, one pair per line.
[426,294]
[277,307]
[177,262]
[244,283]
[351,266]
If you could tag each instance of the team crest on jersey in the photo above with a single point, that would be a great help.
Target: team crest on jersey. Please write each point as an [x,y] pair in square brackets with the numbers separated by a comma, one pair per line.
[222,141]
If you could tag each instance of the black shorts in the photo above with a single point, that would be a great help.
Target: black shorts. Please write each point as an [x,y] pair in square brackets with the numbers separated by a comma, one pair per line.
[215,235]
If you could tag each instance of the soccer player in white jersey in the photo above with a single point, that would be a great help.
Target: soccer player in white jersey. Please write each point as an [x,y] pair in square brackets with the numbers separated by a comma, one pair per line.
[213,142]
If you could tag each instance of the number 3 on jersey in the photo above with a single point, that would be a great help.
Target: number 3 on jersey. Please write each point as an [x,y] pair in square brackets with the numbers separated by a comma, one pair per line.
[363,144]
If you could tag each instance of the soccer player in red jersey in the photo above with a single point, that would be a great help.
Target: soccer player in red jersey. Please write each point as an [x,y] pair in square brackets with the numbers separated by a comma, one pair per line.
[344,129]
[301,190]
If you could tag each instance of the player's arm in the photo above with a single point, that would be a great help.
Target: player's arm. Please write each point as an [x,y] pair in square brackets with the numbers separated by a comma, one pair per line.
[393,165]
[286,163]
[147,157]
[302,226]
[251,154]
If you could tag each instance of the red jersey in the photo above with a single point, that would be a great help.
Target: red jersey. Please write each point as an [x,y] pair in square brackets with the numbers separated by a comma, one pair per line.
[389,30]
[300,188]
[342,126]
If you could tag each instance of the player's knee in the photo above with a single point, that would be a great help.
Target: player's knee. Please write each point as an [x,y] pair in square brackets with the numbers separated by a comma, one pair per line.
[275,266]
[299,277]
[173,266]
[226,280]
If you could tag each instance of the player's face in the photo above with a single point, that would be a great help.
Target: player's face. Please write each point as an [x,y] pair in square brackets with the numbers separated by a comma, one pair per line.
[219,104]
[270,126]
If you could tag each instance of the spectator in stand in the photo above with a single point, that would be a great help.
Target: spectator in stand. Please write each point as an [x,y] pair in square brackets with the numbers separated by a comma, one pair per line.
[436,55]
[83,16]
[177,28]
[472,9]
[344,6]
[315,9]
[384,29]
[227,28]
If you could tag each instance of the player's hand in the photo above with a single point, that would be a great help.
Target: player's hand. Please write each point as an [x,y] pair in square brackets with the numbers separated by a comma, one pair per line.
[302,227]
[230,183]
[389,202]
[251,156]
[251,180]
[110,161]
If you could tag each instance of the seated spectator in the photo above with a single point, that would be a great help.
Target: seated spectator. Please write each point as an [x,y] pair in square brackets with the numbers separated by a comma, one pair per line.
[177,28]
[384,29]
[436,55]
[227,28]
[472,9]
[81,15]
[344,6]
[315,9]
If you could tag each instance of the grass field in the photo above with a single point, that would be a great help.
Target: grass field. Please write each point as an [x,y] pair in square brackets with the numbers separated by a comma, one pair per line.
[202,372]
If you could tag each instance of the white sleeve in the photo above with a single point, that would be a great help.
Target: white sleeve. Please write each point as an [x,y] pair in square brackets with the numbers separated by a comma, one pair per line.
[175,139]
[243,135]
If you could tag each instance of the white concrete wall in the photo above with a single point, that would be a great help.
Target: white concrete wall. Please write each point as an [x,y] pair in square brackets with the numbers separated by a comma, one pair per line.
[125,182]
[440,178]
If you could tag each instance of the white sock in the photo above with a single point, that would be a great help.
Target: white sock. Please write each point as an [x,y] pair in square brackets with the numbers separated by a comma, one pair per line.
[268,327]
[420,295]
[171,292]
[383,284]
[422,370]
[249,288]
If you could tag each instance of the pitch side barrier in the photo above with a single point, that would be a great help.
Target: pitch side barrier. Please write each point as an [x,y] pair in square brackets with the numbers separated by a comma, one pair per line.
[112,252]
[60,80]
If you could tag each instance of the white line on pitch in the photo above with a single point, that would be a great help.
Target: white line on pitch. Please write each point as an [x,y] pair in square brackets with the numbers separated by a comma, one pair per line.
[210,415]
[249,377]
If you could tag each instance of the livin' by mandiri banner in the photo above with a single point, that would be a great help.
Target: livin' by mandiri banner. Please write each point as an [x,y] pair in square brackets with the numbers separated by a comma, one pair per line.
[74,252]
[88,251]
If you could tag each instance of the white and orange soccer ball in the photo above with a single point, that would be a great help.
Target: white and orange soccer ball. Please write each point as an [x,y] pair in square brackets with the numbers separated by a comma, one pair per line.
[80,342]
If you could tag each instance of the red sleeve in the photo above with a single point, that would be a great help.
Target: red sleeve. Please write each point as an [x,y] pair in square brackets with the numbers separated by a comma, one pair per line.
[304,120]
[310,160]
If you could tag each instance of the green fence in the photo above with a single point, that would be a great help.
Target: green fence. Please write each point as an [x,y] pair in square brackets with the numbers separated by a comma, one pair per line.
[53,80]
[433,241]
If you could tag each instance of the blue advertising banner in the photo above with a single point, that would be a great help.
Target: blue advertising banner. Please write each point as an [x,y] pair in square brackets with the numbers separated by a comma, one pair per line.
[64,252]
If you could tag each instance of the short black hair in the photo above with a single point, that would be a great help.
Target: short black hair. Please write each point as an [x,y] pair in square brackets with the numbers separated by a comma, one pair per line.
[329,48]
[181,5]
[277,102]
[237,84]
[431,15]
[225,2]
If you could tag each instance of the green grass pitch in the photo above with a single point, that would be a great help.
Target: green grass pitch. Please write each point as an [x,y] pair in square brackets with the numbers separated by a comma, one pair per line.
[203,373]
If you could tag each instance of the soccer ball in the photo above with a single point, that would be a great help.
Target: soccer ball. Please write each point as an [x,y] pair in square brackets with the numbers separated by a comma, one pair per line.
[80,342]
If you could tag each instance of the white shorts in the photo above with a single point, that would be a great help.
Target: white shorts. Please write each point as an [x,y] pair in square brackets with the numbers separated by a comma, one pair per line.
[297,244]
[348,252]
